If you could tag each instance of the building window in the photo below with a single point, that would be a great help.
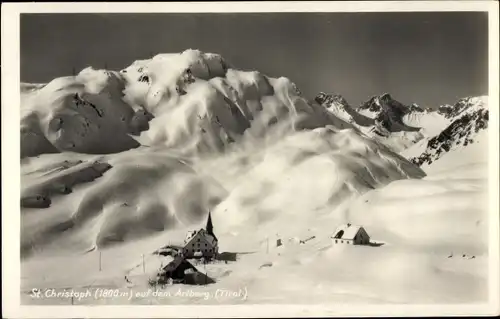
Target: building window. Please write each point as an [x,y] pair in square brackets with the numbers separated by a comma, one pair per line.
[336,241]
[342,241]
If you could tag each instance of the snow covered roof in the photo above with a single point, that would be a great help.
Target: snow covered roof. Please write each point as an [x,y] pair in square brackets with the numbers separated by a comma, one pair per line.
[204,234]
[173,263]
[347,231]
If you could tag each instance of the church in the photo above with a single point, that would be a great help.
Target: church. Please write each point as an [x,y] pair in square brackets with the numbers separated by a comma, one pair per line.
[202,243]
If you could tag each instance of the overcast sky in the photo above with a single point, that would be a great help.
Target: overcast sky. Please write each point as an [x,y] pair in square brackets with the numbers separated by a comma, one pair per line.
[427,58]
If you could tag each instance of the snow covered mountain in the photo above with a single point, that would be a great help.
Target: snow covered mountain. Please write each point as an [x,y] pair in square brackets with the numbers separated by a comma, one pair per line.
[113,156]
[421,135]
[468,123]
[191,101]
[339,106]
[388,113]
[467,104]
[381,117]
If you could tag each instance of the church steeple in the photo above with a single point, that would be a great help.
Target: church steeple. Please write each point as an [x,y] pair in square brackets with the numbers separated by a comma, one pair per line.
[210,226]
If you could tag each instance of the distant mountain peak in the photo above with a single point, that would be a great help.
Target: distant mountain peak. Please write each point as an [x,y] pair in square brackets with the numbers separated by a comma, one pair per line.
[388,112]
[385,97]
[468,117]
[463,105]
[327,99]
[414,107]
[380,116]
[384,101]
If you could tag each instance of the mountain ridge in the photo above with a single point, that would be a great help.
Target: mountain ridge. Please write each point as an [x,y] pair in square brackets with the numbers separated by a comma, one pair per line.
[402,126]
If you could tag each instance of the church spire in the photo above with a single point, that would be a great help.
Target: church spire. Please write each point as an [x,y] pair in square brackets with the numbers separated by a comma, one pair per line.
[210,226]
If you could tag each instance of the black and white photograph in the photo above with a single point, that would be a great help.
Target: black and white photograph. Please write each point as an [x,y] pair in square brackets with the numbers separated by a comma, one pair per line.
[251,158]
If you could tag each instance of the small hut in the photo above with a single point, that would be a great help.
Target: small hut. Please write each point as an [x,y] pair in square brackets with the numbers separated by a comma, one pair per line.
[351,235]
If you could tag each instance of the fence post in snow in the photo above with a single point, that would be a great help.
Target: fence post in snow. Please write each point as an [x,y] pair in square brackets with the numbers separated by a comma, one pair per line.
[100,259]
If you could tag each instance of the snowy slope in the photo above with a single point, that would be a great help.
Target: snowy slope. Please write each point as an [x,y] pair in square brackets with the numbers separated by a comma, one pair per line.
[151,148]
[81,114]
[429,122]
[434,228]
[148,191]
